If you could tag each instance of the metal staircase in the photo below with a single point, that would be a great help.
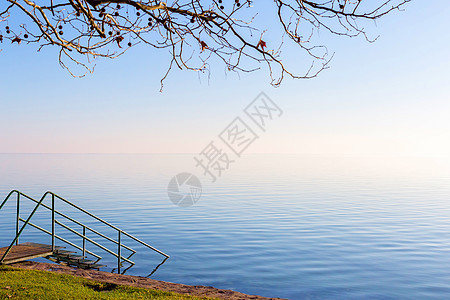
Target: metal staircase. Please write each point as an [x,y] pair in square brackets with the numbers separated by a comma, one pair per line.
[18,252]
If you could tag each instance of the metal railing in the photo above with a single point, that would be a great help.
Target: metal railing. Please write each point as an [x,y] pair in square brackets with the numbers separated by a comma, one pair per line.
[52,233]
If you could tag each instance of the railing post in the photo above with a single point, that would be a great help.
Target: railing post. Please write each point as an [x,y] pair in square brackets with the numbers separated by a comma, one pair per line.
[17,217]
[53,222]
[84,241]
[119,255]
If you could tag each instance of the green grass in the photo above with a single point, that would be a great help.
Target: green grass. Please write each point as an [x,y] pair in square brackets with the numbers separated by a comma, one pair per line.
[18,283]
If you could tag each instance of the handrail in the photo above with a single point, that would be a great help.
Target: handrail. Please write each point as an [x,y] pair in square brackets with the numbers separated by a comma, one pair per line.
[62,239]
[84,227]
[112,226]
[93,242]
[67,217]
[23,227]
[104,222]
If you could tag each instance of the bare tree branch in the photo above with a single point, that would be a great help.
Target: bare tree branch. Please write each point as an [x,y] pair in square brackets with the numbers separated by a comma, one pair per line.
[192,31]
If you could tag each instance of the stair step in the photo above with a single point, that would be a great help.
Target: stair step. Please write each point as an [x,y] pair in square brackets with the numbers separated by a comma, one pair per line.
[63,252]
[96,266]
[86,262]
[68,257]
[75,256]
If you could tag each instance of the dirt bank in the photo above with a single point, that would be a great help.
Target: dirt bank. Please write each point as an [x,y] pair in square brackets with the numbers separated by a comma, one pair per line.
[196,290]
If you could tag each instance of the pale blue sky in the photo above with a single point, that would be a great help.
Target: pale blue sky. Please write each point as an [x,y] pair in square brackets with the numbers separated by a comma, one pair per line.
[387,98]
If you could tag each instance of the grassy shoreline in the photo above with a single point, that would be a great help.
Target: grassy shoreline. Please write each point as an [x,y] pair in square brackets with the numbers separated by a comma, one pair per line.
[17,283]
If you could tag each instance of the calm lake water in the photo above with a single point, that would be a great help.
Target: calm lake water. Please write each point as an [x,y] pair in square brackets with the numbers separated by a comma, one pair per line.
[274,225]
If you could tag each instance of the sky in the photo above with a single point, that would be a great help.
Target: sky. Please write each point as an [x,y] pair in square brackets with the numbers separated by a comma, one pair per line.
[388,98]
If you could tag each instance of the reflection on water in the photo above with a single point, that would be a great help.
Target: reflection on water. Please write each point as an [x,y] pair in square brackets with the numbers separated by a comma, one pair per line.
[124,271]
[274,225]
[157,267]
